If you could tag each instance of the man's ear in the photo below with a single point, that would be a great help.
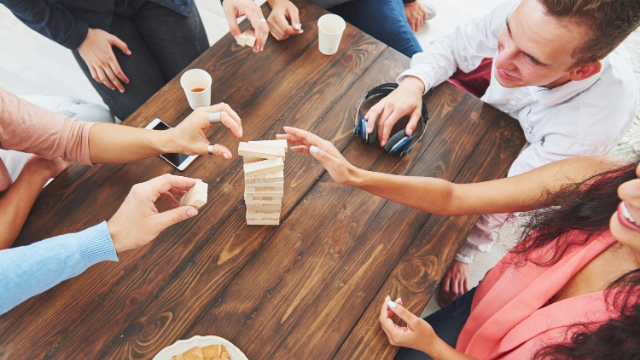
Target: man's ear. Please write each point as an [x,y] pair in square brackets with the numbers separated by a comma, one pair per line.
[585,71]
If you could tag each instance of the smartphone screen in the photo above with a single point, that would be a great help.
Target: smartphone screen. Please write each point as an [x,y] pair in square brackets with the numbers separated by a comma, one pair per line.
[175,158]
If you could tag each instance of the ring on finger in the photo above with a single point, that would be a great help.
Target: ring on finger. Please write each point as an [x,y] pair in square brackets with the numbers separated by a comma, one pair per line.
[210,149]
[263,20]
[215,117]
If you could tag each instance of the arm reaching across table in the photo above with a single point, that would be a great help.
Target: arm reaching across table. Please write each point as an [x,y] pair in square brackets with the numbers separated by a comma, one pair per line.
[519,193]
[29,270]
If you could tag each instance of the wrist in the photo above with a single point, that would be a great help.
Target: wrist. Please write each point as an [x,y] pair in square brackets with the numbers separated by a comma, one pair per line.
[414,84]
[436,348]
[116,236]
[356,177]
[39,171]
[163,142]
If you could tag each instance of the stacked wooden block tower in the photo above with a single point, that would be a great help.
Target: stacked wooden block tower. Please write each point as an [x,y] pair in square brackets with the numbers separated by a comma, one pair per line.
[264,180]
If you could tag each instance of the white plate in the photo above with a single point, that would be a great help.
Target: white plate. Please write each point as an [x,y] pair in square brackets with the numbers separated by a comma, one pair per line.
[182,346]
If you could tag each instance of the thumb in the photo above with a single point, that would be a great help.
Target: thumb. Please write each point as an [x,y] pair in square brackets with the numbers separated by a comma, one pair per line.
[232,20]
[176,215]
[403,313]
[413,121]
[295,18]
[114,40]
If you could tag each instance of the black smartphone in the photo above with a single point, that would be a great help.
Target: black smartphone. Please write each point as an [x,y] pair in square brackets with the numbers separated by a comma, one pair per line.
[179,161]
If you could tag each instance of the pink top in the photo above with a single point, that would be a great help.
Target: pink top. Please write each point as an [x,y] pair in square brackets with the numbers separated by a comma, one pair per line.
[508,320]
[29,128]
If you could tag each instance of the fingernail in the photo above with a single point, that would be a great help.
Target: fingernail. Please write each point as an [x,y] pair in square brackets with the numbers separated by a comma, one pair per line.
[192,212]
[313,149]
[409,132]
[382,143]
[240,132]
[399,299]
[226,156]
[236,36]
[391,304]
[387,298]
[297,26]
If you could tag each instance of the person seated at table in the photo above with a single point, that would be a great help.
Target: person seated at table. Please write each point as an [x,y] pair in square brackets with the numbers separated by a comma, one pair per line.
[558,67]
[569,290]
[26,271]
[386,21]
[154,40]
[55,140]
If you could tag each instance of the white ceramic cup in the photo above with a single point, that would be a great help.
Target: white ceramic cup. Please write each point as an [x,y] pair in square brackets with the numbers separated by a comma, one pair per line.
[330,29]
[197,79]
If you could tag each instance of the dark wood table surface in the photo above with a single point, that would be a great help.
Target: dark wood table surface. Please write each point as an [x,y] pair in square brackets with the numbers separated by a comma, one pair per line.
[310,288]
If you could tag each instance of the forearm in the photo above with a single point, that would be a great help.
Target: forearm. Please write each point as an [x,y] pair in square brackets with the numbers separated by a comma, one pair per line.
[29,270]
[17,201]
[114,144]
[423,193]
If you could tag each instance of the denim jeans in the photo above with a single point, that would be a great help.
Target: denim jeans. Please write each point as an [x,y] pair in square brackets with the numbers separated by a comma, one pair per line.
[447,323]
[385,20]
[162,43]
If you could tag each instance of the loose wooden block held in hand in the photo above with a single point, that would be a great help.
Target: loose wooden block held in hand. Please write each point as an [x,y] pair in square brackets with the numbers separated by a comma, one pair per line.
[196,196]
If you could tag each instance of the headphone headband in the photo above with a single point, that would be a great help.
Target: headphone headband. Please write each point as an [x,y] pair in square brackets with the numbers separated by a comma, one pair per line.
[386,89]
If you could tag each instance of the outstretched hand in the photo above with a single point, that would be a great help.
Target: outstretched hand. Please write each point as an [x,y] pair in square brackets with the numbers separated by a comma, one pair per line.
[233,9]
[137,222]
[190,137]
[339,168]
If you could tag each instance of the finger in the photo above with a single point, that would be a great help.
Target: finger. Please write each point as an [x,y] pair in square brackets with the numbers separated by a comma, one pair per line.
[322,156]
[232,21]
[230,112]
[231,124]
[169,198]
[177,191]
[413,121]
[300,148]
[294,15]
[261,29]
[114,40]
[166,182]
[466,285]
[115,67]
[113,78]
[373,114]
[384,129]
[284,24]
[102,77]
[404,314]
[94,74]
[276,32]
[219,150]
[174,216]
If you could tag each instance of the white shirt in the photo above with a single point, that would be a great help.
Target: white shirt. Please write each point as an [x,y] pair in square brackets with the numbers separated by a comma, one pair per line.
[587,117]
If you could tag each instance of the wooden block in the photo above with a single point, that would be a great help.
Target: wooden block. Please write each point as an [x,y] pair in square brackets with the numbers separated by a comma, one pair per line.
[263,167]
[250,159]
[264,202]
[265,211]
[279,176]
[263,222]
[259,206]
[256,150]
[269,177]
[255,198]
[250,36]
[281,143]
[196,196]
[259,179]
[264,187]
[242,39]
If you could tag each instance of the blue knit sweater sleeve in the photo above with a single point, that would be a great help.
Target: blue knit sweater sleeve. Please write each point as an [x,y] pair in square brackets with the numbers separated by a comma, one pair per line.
[30,270]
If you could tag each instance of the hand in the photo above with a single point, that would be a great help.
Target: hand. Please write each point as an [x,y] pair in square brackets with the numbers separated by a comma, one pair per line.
[51,168]
[96,51]
[281,10]
[339,168]
[405,100]
[137,222]
[418,334]
[416,15]
[233,9]
[454,283]
[189,138]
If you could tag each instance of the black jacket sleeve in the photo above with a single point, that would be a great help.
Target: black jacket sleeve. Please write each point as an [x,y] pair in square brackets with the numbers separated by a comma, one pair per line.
[50,20]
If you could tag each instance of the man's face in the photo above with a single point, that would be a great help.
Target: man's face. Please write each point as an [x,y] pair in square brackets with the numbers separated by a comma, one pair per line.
[535,49]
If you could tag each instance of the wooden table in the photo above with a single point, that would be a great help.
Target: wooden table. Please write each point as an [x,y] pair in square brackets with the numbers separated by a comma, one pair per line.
[310,288]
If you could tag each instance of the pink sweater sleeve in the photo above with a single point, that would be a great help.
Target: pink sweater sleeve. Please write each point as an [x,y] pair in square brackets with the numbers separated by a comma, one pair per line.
[29,128]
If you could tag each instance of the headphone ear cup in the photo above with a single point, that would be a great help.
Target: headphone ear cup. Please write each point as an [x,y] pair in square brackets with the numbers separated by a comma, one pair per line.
[374,134]
[396,138]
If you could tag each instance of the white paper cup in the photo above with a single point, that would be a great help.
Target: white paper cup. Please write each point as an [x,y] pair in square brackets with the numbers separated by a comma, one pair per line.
[330,29]
[196,79]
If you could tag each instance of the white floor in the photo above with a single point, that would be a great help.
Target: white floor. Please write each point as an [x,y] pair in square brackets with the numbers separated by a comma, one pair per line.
[32,64]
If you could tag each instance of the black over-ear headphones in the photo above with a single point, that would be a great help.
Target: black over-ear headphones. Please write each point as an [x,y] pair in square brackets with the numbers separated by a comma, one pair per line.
[398,144]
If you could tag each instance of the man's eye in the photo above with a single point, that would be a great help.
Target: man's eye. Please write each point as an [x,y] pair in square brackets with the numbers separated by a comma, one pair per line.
[532,60]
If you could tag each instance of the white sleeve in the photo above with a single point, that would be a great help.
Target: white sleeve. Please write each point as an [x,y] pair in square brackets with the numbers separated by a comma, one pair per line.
[463,49]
